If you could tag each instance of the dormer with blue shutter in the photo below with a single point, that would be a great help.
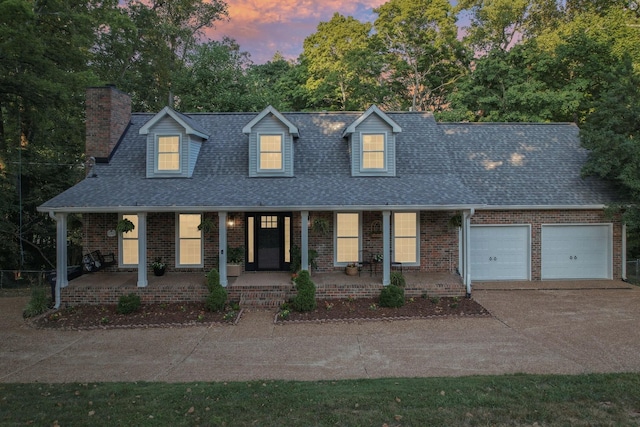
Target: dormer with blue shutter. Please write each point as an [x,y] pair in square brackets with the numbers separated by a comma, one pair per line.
[271,138]
[372,143]
[173,144]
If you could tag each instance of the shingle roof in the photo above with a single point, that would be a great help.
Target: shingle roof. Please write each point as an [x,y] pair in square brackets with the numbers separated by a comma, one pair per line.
[438,166]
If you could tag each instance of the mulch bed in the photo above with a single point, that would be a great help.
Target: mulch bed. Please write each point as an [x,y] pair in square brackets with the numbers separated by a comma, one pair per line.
[148,316]
[369,309]
[84,317]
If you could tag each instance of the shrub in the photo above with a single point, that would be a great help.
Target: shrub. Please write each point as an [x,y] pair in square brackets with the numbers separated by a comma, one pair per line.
[305,300]
[128,303]
[392,296]
[397,279]
[216,299]
[213,279]
[38,304]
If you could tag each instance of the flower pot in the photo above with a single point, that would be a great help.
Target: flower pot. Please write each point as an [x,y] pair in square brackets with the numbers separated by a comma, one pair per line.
[234,270]
[351,271]
[159,271]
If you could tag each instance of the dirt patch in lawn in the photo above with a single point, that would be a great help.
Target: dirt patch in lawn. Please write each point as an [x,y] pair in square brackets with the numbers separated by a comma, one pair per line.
[369,309]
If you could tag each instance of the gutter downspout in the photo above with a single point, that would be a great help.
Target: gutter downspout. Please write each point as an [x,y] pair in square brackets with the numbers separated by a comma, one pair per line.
[466,231]
[61,254]
[624,251]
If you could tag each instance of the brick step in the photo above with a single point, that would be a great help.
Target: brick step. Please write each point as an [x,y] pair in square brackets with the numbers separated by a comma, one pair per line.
[260,296]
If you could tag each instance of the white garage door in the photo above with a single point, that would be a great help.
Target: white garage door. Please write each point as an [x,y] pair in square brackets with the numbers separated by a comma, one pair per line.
[500,252]
[576,251]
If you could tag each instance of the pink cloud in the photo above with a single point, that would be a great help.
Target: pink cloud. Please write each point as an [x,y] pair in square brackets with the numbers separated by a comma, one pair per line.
[264,27]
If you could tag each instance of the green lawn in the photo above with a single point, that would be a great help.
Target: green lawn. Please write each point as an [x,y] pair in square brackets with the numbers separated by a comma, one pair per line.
[512,400]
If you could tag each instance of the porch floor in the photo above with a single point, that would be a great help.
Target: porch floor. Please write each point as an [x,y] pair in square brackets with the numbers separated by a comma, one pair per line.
[251,289]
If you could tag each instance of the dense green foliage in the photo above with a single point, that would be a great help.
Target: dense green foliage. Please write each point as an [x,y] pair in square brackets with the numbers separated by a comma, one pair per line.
[39,302]
[392,296]
[305,299]
[509,400]
[519,60]
[217,298]
[128,304]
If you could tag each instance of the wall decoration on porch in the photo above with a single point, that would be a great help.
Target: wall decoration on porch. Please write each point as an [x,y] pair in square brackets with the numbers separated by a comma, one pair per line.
[376,228]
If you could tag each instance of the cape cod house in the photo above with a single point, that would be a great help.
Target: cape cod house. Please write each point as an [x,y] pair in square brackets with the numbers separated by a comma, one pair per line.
[482,202]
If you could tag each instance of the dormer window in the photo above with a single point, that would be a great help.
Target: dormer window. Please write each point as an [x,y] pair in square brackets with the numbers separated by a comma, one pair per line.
[168,153]
[270,147]
[373,151]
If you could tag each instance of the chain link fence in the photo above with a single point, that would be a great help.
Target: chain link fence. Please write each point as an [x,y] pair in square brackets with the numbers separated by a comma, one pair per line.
[633,271]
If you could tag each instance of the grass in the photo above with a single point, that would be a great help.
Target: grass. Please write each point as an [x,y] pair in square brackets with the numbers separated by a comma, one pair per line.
[511,400]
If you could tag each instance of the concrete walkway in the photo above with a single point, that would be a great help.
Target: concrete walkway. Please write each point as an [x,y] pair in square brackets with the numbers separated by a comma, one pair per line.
[567,329]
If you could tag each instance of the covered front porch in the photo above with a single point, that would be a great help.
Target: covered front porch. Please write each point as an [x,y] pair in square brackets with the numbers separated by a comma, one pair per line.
[251,289]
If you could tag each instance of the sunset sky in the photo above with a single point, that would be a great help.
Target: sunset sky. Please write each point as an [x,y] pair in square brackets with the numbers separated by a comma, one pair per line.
[264,27]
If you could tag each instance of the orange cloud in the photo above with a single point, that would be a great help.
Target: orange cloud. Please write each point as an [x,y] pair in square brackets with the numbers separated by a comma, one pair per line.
[263,27]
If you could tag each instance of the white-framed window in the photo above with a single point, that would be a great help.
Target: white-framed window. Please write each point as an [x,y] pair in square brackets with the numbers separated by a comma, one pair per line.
[168,153]
[270,152]
[129,244]
[373,151]
[347,244]
[189,241]
[406,234]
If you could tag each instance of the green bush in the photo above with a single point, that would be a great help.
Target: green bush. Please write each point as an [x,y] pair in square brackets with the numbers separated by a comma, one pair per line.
[39,302]
[305,300]
[217,298]
[128,303]
[397,279]
[392,296]
[213,279]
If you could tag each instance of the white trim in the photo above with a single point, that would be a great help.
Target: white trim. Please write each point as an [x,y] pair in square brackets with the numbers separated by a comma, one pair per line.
[417,237]
[161,172]
[609,226]
[373,109]
[293,130]
[335,238]
[529,246]
[385,153]
[190,130]
[261,171]
[177,242]
[121,263]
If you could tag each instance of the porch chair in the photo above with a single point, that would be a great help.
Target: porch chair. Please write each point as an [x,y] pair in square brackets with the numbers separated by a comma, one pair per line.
[95,261]
[366,259]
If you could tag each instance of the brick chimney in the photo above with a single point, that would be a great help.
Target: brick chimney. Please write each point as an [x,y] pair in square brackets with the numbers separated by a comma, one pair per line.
[108,115]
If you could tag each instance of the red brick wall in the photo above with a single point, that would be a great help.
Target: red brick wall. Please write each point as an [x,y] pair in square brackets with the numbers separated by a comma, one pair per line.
[438,241]
[108,113]
[537,218]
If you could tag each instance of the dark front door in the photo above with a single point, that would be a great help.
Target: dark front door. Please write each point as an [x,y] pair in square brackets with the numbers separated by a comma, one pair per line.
[268,241]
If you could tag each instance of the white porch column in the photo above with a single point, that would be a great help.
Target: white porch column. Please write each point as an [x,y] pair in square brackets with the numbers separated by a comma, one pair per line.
[386,247]
[466,250]
[61,254]
[304,240]
[142,250]
[222,244]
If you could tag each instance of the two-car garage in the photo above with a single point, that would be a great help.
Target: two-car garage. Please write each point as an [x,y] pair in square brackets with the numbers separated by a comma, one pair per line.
[567,251]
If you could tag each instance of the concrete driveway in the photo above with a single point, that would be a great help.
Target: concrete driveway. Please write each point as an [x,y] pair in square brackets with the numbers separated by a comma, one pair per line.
[569,329]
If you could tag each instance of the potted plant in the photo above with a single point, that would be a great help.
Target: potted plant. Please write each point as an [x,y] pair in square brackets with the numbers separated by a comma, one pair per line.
[351,269]
[124,226]
[234,261]
[158,266]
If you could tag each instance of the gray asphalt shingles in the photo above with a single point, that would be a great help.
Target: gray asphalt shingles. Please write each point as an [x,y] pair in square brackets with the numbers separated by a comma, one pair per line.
[438,165]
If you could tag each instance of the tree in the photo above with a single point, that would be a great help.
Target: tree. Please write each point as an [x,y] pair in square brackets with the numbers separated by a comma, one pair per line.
[145,44]
[343,69]
[44,51]
[423,54]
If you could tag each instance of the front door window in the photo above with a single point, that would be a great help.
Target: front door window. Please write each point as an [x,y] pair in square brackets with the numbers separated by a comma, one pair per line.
[268,242]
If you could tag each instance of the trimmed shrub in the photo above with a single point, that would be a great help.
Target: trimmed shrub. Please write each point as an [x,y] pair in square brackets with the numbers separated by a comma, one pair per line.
[213,279]
[397,279]
[392,296]
[217,299]
[305,300]
[128,303]
[38,304]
